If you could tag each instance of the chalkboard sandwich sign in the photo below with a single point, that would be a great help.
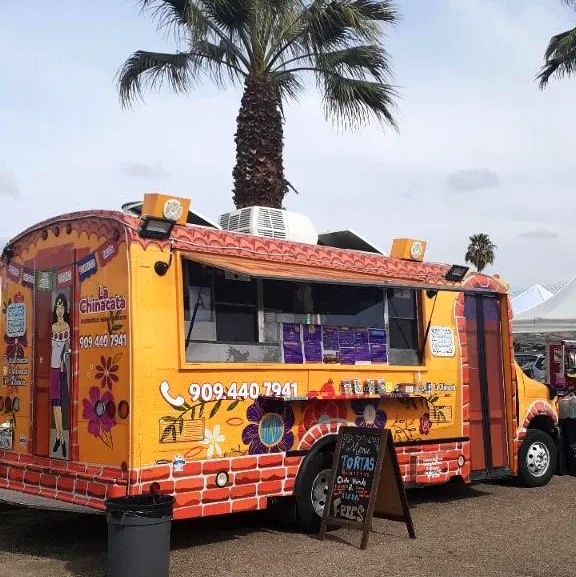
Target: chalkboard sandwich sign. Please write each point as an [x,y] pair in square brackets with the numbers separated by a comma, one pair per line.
[365,483]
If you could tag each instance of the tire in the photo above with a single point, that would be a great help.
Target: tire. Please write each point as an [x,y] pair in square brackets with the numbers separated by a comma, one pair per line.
[537,459]
[315,483]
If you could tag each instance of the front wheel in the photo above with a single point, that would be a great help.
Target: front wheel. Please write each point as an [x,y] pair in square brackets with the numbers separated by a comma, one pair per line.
[313,495]
[537,459]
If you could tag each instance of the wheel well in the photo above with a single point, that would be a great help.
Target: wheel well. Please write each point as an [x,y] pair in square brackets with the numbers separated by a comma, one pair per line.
[545,424]
[324,445]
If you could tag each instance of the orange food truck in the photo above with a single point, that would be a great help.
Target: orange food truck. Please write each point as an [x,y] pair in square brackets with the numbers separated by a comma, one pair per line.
[146,351]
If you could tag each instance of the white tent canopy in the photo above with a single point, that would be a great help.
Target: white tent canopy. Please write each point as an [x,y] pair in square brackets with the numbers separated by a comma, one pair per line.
[554,315]
[530,298]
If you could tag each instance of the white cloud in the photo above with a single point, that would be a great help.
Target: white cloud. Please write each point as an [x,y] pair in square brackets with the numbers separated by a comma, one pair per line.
[8,184]
[472,179]
[141,170]
[539,233]
[468,99]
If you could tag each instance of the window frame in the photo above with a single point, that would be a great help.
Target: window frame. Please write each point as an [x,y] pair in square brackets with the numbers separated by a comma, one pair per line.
[419,291]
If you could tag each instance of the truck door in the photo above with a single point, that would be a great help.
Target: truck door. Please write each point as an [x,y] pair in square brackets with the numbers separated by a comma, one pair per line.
[488,434]
[54,335]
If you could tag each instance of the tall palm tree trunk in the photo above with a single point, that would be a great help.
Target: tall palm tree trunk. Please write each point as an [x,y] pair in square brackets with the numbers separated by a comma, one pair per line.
[259,172]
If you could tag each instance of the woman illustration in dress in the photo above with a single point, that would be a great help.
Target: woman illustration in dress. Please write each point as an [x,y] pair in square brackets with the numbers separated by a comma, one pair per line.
[58,377]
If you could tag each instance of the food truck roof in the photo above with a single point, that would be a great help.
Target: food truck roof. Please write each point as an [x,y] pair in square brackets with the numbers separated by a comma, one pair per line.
[278,258]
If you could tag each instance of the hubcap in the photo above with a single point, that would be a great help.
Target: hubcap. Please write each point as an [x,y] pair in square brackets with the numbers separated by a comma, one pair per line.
[319,492]
[538,459]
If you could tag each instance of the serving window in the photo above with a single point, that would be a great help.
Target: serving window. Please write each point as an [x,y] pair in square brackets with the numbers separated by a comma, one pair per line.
[232,317]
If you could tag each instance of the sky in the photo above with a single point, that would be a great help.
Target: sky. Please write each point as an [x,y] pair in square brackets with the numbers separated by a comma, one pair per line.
[480,147]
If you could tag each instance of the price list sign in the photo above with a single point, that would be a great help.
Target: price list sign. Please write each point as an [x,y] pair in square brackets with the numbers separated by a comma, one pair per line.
[365,483]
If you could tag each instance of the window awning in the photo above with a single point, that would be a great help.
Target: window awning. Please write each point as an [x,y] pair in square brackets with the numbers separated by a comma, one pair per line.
[309,273]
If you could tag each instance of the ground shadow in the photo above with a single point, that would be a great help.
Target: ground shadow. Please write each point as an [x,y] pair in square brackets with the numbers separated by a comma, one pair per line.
[454,490]
[80,540]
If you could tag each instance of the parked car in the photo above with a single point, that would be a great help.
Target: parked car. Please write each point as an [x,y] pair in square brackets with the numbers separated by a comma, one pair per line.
[535,368]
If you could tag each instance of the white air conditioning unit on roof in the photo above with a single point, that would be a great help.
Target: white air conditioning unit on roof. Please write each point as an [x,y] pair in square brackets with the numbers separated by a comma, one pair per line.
[271,223]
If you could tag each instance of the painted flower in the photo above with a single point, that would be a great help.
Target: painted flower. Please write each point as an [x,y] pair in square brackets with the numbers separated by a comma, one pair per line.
[368,414]
[95,412]
[213,440]
[326,390]
[106,372]
[269,428]
[321,412]
[425,424]
[15,346]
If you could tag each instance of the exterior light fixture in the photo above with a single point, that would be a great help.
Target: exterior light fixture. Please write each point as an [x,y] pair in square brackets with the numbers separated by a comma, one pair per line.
[222,479]
[155,227]
[456,273]
[161,267]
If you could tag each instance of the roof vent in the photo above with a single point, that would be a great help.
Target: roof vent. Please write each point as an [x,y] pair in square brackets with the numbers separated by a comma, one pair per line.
[271,223]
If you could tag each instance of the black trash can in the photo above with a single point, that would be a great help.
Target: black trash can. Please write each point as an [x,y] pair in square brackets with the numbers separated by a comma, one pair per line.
[139,535]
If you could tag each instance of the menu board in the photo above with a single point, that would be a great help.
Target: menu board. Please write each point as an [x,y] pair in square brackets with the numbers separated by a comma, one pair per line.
[365,483]
[328,344]
[354,475]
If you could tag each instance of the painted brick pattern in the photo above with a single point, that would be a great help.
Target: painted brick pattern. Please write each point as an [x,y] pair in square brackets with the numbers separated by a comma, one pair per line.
[85,485]
[252,480]
[434,463]
[412,458]
[320,430]
[535,409]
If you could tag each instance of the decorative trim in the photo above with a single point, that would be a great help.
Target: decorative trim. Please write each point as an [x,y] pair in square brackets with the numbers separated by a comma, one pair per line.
[432,442]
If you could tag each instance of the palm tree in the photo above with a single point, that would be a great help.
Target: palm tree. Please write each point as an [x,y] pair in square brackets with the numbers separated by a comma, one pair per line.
[560,55]
[480,251]
[267,46]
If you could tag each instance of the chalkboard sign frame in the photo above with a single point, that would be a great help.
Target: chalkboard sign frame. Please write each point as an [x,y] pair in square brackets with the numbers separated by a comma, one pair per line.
[377,504]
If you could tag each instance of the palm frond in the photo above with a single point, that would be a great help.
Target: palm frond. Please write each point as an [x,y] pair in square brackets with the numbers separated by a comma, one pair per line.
[230,15]
[148,70]
[382,11]
[170,15]
[353,102]
[325,27]
[330,25]
[218,58]
[287,83]
[366,16]
[560,57]
[357,61]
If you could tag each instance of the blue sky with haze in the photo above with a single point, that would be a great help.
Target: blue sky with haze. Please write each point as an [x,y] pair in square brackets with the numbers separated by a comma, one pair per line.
[480,147]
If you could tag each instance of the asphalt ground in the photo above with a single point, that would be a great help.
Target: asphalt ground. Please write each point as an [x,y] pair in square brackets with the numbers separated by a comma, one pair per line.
[491,530]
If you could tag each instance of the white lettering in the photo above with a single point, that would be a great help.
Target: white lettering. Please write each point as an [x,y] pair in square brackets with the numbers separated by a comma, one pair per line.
[174,401]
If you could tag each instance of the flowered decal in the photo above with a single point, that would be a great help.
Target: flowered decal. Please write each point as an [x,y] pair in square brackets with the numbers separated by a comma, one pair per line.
[270,427]
[106,371]
[100,423]
[326,390]
[15,346]
[368,414]
[96,408]
[425,424]
[213,439]
[403,429]
[321,412]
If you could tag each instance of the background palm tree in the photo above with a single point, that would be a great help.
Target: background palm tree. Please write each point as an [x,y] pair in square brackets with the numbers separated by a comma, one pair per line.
[560,56]
[267,46]
[480,251]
